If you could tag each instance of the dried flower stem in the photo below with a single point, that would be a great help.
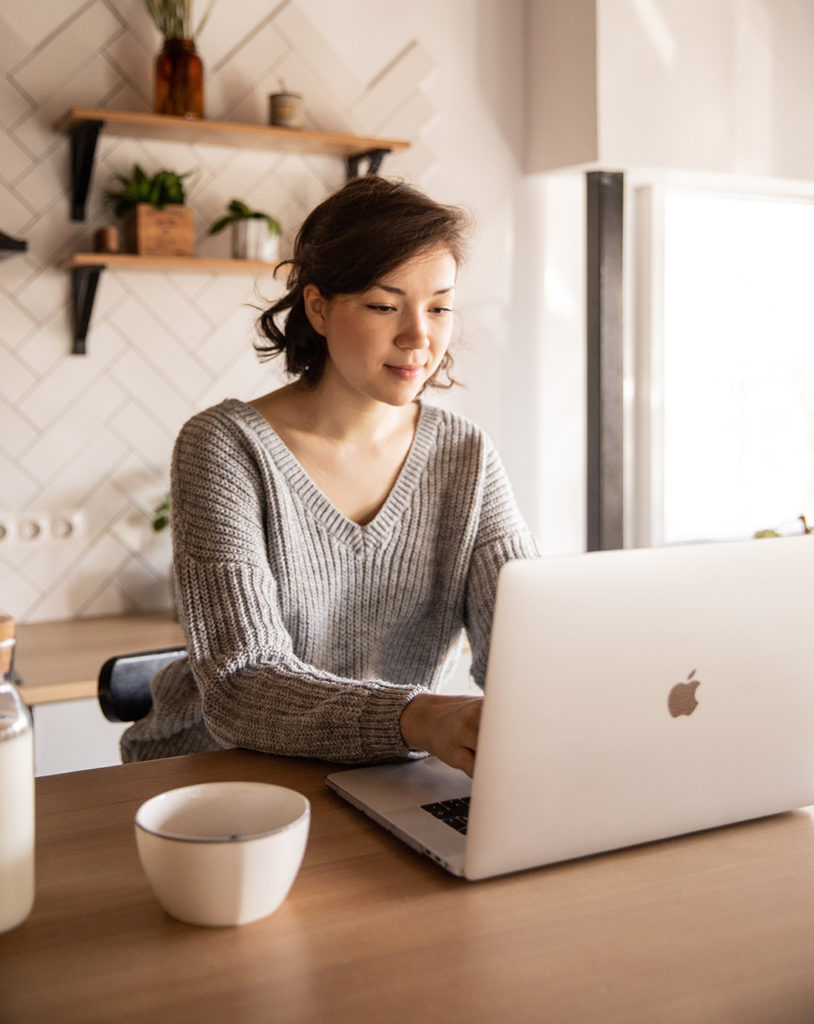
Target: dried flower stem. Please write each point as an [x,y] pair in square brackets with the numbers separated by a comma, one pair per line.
[173,18]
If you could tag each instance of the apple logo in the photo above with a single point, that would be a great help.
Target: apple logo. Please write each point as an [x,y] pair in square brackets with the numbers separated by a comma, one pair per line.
[682,697]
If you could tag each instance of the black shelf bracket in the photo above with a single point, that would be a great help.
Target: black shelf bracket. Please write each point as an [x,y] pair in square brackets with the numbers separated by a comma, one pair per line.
[11,246]
[84,281]
[83,151]
[374,158]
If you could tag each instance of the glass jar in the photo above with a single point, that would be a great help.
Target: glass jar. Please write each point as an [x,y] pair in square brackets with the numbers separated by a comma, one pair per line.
[179,79]
[16,792]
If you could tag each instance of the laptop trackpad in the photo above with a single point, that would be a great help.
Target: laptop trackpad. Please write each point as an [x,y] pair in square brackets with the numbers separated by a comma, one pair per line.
[388,787]
[394,794]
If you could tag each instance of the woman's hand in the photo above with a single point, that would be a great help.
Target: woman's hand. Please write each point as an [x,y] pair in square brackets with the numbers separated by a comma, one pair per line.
[445,725]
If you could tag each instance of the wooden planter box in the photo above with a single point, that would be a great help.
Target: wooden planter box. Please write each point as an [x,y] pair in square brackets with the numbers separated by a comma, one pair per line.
[151,232]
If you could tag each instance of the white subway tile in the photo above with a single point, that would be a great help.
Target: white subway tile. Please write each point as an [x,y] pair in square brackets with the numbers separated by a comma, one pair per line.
[62,56]
[87,415]
[336,76]
[19,486]
[15,322]
[16,431]
[387,92]
[152,440]
[17,378]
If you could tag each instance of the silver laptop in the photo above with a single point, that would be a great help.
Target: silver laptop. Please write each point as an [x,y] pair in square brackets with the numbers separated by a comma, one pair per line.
[630,696]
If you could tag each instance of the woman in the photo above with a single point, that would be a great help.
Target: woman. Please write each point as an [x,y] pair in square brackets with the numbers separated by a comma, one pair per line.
[334,538]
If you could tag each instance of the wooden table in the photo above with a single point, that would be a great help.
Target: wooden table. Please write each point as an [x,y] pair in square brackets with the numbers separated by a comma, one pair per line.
[61,660]
[715,927]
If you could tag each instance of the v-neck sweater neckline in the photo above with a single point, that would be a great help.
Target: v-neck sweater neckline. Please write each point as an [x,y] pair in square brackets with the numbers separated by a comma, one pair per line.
[320,505]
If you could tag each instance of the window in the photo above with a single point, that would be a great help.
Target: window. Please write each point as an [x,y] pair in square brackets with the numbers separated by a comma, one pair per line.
[726,361]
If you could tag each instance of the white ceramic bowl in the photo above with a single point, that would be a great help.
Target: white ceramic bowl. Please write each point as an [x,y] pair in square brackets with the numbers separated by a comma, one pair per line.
[222,853]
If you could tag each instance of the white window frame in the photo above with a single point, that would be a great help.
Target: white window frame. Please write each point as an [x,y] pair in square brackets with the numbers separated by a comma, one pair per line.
[644,337]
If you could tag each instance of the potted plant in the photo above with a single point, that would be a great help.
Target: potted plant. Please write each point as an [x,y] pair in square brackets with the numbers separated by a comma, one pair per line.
[255,235]
[178,67]
[156,221]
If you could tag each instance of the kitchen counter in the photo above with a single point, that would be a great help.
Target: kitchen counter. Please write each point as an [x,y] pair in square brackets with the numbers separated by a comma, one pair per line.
[60,661]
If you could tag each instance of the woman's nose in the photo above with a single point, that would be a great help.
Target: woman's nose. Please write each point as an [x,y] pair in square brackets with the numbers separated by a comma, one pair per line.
[413,333]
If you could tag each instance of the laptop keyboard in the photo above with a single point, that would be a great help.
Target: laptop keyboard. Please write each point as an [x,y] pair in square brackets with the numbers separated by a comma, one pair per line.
[454,813]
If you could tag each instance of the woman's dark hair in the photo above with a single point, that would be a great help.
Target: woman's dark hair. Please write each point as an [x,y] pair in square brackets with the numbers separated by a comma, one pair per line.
[347,243]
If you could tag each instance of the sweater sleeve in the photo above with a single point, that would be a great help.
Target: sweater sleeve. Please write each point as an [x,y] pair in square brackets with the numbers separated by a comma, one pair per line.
[502,536]
[255,692]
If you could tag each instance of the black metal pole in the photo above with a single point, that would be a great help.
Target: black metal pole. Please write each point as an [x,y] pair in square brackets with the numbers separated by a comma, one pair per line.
[604,360]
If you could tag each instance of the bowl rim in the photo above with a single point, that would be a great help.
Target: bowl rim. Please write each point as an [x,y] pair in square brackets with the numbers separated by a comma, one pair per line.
[222,840]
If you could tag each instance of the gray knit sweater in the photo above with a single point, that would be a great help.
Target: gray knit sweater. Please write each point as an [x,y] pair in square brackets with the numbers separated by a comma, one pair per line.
[306,633]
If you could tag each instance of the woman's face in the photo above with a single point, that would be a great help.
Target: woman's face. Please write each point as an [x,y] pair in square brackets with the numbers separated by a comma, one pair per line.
[385,343]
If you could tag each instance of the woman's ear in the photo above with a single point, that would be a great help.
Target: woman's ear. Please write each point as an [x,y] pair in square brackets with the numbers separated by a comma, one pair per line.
[314,308]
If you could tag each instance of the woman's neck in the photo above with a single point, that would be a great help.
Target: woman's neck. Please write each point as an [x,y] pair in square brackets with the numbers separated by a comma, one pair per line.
[352,453]
[332,414]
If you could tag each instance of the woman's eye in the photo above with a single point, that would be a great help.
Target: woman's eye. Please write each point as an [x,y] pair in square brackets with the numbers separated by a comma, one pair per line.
[380,308]
[441,310]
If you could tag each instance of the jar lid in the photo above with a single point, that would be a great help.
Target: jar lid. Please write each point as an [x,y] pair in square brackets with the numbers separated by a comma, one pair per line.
[14,717]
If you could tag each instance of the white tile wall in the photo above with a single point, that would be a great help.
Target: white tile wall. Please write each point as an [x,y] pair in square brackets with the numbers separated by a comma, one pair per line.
[95,432]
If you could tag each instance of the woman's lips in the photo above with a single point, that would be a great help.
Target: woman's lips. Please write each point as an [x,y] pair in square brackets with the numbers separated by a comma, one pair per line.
[406,372]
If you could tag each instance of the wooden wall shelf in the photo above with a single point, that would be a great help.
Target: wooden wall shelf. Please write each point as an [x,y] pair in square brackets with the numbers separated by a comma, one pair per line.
[179,264]
[86,268]
[84,124]
[193,130]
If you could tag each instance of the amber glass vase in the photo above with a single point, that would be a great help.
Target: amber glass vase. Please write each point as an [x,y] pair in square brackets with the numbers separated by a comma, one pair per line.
[179,79]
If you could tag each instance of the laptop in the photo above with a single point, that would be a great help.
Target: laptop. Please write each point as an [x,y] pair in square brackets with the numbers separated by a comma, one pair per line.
[630,696]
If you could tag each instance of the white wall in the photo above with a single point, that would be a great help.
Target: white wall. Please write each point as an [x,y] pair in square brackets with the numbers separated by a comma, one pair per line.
[720,86]
[94,433]
[551,277]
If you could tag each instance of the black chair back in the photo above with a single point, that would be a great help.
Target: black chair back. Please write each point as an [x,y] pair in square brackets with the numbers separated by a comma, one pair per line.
[124,682]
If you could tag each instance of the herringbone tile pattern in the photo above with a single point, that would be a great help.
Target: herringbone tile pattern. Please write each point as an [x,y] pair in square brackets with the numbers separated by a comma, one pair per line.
[95,432]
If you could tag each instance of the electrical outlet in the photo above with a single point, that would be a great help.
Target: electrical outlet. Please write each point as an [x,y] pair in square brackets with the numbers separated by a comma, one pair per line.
[37,528]
[32,529]
[68,525]
[8,528]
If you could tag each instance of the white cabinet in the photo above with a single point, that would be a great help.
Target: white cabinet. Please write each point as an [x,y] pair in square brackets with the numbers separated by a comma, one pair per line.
[72,735]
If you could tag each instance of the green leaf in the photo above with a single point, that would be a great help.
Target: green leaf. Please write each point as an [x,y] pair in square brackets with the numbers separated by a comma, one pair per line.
[161,515]
[238,210]
[219,225]
[164,188]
